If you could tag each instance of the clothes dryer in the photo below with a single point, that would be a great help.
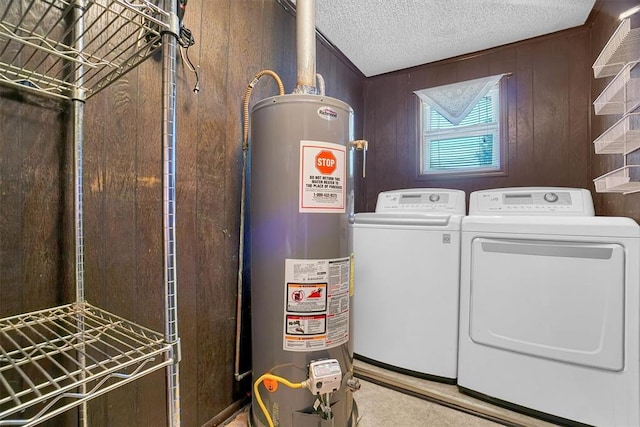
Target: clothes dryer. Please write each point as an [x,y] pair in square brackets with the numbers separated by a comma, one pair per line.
[407,269]
[549,306]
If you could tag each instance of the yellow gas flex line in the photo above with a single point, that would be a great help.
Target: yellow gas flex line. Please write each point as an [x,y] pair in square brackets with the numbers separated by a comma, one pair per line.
[304,384]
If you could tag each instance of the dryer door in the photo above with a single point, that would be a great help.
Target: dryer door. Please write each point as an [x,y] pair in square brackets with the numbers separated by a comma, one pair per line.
[560,300]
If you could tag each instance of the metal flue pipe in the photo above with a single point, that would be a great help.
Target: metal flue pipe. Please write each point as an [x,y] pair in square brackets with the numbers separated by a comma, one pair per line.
[306,46]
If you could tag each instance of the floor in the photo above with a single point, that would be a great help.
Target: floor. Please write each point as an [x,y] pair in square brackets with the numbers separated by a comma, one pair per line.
[383,406]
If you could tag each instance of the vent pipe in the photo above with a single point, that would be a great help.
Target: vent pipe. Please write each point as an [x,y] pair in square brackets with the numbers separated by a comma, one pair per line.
[306,46]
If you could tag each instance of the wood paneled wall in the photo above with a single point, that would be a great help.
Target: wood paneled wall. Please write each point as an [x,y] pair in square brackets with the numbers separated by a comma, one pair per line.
[32,189]
[123,201]
[604,24]
[548,116]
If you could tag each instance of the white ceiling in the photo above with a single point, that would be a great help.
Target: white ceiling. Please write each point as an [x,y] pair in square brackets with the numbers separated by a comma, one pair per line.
[380,36]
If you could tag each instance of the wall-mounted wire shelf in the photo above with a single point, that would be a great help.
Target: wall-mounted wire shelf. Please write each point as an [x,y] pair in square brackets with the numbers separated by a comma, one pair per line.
[622,47]
[622,92]
[621,138]
[39,52]
[623,180]
[620,57]
[48,356]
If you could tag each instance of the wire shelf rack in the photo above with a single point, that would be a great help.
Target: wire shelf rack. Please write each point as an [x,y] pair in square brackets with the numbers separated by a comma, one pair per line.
[625,180]
[621,138]
[55,359]
[40,53]
[59,358]
[622,47]
[622,93]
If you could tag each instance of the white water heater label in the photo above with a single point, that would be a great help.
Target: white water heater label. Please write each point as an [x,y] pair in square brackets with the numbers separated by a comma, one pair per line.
[316,306]
[323,177]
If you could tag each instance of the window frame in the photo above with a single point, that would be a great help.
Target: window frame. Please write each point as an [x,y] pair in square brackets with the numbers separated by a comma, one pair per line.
[502,132]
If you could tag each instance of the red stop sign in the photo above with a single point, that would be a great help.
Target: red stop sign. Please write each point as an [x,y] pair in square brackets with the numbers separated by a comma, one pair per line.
[326,162]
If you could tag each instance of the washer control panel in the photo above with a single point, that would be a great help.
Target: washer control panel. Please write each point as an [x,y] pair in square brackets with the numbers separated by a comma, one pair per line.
[422,200]
[532,201]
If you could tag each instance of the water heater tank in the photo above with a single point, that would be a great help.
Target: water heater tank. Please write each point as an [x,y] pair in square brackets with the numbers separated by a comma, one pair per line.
[301,197]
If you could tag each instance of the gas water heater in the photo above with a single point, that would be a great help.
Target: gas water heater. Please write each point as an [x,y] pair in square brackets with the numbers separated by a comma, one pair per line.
[301,264]
[301,200]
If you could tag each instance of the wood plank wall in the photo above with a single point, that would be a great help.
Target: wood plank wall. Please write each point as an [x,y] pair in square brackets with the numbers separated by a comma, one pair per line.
[123,193]
[604,24]
[32,177]
[548,116]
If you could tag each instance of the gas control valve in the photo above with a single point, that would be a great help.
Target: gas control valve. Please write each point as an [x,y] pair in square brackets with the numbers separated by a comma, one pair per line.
[325,376]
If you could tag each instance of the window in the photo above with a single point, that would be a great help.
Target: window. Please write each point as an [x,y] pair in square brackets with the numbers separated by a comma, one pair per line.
[460,128]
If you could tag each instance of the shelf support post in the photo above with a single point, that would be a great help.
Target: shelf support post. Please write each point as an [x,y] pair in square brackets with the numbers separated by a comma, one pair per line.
[77,107]
[169,78]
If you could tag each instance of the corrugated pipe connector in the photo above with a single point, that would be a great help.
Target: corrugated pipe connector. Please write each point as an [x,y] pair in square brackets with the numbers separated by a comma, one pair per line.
[245,148]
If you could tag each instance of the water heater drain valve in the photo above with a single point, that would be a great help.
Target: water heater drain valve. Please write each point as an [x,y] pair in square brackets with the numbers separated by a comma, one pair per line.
[325,376]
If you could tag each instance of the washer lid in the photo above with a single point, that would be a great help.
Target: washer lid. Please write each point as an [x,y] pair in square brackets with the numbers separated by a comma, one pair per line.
[536,201]
[416,200]
[408,220]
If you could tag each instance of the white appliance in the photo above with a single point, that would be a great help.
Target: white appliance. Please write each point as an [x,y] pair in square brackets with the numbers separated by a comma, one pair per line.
[407,270]
[549,305]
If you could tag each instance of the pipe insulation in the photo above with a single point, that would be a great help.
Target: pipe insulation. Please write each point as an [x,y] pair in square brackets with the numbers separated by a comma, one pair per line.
[306,46]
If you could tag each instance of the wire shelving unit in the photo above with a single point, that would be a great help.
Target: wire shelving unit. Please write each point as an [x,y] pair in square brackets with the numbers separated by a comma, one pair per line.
[620,57]
[56,359]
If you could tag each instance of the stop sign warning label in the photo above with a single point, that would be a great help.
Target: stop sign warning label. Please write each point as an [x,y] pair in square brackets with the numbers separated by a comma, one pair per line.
[322,177]
[326,162]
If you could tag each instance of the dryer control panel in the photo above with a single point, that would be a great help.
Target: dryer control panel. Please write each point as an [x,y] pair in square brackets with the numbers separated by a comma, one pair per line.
[422,200]
[532,201]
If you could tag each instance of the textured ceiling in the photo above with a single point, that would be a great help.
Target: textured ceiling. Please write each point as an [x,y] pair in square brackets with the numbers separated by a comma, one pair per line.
[380,36]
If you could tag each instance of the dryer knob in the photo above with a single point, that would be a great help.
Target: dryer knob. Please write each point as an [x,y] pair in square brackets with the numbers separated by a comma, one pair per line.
[434,197]
[551,197]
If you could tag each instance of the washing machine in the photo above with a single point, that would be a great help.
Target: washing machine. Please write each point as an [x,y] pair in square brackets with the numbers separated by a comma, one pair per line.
[549,306]
[407,271]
